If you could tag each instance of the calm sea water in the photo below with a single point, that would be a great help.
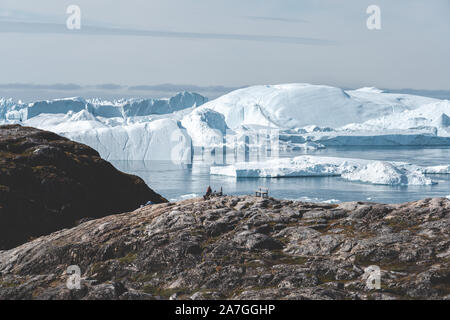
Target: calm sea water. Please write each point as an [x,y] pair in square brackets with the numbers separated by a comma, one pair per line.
[177,182]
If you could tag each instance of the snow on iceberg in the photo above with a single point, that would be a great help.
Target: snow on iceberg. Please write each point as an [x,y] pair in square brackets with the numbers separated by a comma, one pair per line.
[205,126]
[305,117]
[375,172]
[429,115]
[59,106]
[145,107]
[381,172]
[369,89]
[133,129]
[302,166]
[425,125]
[9,110]
[122,108]
[308,146]
[442,121]
[82,121]
[444,169]
[299,105]
[163,139]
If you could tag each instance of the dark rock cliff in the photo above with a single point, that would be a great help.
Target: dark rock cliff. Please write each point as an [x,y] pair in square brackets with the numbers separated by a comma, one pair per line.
[48,182]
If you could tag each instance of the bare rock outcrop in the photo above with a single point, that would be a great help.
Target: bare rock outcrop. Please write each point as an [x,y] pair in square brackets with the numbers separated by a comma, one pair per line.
[48,182]
[241,248]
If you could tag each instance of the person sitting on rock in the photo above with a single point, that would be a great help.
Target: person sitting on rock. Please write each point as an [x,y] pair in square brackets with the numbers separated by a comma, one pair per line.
[208,193]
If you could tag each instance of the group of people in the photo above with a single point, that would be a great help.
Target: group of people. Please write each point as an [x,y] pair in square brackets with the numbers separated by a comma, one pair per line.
[210,194]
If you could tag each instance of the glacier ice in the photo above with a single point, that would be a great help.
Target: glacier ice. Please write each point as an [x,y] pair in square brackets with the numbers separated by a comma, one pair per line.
[123,108]
[381,172]
[205,126]
[157,140]
[298,105]
[302,166]
[443,169]
[375,172]
[304,117]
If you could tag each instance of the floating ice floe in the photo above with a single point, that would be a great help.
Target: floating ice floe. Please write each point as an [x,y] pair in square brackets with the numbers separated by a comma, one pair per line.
[375,172]
[302,166]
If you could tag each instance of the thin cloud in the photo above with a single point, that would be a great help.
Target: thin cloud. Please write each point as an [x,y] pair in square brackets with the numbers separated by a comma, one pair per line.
[276,19]
[165,87]
[168,87]
[50,91]
[31,86]
[109,86]
[53,28]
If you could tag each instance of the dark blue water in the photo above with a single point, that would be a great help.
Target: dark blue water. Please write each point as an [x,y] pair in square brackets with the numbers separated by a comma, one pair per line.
[176,182]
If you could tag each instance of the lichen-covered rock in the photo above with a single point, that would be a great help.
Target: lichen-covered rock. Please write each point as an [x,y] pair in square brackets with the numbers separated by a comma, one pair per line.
[48,183]
[241,248]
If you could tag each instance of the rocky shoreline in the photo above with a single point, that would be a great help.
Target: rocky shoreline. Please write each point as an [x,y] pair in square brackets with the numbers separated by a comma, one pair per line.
[241,248]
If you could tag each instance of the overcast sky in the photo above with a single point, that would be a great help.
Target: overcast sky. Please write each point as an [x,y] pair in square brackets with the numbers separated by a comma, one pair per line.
[227,43]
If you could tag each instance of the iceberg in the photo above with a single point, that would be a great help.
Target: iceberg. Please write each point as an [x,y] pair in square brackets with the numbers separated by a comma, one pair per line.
[374,172]
[369,90]
[298,117]
[296,105]
[381,172]
[301,166]
[60,106]
[163,139]
[426,116]
[133,129]
[145,107]
[205,126]
[443,121]
[425,126]
[444,169]
[122,108]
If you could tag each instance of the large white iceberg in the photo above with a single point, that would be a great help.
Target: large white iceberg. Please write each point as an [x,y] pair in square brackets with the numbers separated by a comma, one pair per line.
[122,108]
[302,166]
[304,117]
[163,139]
[428,115]
[298,105]
[375,172]
[133,129]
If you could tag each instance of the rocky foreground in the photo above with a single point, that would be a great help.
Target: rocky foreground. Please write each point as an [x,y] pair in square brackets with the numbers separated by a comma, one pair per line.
[48,182]
[241,248]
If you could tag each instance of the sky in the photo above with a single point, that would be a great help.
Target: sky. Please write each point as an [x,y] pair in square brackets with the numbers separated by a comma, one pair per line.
[132,46]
